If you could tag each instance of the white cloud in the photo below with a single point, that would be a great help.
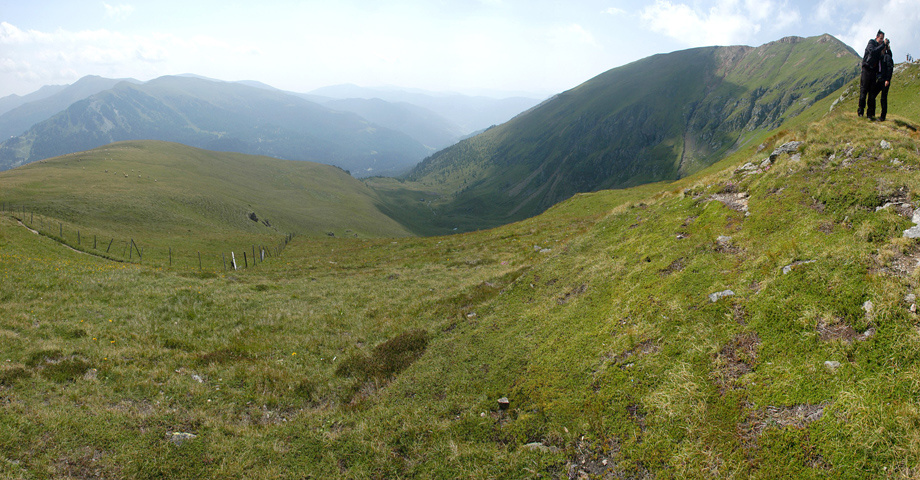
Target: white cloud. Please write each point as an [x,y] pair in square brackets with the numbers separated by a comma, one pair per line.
[614,11]
[118,12]
[725,22]
[572,34]
[897,18]
[11,34]
[65,56]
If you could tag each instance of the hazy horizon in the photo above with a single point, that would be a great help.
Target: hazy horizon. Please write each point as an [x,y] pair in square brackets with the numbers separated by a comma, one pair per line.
[471,47]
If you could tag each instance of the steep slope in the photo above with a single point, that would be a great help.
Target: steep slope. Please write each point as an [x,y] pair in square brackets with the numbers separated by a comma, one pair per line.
[162,194]
[756,320]
[19,119]
[218,116]
[429,128]
[660,118]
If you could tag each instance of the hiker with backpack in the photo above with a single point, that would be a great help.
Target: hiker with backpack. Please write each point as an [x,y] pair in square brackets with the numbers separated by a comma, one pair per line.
[870,70]
[886,70]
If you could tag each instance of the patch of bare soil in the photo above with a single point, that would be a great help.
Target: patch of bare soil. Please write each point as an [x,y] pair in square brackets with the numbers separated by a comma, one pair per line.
[643,348]
[600,461]
[572,293]
[896,263]
[839,330]
[675,266]
[85,463]
[736,359]
[796,416]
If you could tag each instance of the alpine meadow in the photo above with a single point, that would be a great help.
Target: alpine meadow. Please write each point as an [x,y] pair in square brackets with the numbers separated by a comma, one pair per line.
[714,277]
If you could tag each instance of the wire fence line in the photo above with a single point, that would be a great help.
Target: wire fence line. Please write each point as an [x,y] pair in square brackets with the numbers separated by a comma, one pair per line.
[131,251]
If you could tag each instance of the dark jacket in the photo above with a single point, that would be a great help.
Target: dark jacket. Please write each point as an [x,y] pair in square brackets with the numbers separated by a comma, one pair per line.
[887,67]
[873,55]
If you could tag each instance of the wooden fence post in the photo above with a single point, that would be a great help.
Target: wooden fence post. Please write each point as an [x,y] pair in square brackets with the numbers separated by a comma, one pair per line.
[245,262]
[233,260]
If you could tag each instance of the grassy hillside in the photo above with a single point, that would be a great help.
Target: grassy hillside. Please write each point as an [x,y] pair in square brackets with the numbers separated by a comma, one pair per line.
[386,358]
[660,118]
[167,195]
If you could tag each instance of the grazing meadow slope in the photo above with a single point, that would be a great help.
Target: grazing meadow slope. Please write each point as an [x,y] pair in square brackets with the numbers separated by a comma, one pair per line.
[166,195]
[754,320]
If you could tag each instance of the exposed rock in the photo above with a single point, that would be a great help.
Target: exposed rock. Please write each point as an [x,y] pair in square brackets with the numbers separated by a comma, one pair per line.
[832,365]
[178,438]
[715,297]
[735,201]
[788,268]
[748,169]
[914,232]
[788,147]
[539,447]
[885,145]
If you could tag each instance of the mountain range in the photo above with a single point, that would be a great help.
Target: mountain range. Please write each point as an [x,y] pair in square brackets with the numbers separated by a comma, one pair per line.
[660,118]
[364,136]
[218,116]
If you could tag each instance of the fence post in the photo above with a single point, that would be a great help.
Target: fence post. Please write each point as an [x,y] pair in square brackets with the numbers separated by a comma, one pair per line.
[233,260]
[78,237]
[245,262]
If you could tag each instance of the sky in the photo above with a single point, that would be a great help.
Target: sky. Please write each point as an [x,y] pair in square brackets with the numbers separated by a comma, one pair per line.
[475,47]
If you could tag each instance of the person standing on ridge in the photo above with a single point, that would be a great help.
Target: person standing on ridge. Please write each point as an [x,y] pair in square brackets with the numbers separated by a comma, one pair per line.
[886,65]
[870,70]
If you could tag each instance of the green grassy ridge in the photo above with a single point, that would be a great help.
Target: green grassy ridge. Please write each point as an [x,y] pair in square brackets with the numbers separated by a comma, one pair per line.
[593,319]
[166,195]
[656,119]
[625,344]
